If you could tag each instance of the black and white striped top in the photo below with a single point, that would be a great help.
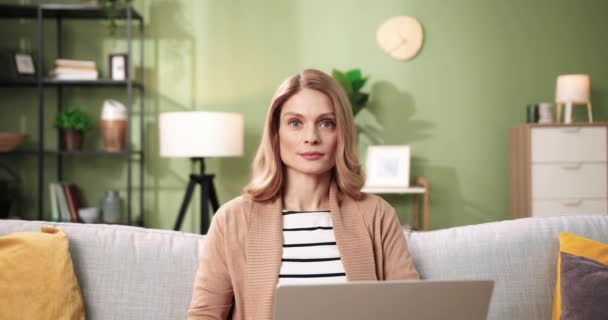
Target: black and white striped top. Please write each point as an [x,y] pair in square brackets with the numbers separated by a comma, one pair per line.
[310,253]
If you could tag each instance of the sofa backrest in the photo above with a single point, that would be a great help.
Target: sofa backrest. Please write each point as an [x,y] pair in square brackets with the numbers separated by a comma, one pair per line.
[520,255]
[135,273]
[128,272]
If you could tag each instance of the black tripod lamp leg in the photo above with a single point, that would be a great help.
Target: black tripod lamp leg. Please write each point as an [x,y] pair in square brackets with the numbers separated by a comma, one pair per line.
[213,196]
[185,203]
[205,206]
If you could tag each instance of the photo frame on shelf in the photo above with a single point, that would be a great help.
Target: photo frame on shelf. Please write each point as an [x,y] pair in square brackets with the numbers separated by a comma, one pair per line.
[119,66]
[388,166]
[25,65]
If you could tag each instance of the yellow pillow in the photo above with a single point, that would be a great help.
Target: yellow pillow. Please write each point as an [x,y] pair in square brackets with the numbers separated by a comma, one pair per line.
[37,277]
[581,289]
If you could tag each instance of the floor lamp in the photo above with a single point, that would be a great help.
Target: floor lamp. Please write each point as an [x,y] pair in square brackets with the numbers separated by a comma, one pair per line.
[200,135]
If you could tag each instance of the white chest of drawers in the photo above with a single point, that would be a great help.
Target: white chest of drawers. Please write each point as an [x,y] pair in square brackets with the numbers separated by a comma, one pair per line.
[558,169]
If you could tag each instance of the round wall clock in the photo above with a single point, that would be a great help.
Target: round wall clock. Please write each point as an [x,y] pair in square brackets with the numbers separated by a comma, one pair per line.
[400,37]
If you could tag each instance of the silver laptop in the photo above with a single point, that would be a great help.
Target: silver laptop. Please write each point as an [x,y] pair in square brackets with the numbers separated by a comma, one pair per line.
[386,300]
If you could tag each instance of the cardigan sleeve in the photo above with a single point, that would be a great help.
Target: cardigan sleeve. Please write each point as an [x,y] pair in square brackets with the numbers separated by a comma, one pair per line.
[398,264]
[212,293]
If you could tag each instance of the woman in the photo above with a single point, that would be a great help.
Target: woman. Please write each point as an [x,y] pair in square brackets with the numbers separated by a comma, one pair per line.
[302,217]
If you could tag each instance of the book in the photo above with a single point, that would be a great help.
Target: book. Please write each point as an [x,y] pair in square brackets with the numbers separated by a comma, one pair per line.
[63,203]
[72,71]
[54,205]
[75,63]
[74,201]
[70,76]
[69,69]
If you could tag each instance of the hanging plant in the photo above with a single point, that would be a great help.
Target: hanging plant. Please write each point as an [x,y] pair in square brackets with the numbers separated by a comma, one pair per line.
[112,9]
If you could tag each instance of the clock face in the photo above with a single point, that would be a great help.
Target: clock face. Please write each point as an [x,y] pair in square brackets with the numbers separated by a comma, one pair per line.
[400,37]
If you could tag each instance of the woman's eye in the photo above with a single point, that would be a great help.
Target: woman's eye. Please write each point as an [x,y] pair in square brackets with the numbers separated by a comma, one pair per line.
[294,123]
[328,124]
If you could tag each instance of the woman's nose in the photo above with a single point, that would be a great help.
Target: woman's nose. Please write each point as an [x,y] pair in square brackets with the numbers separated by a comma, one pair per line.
[312,136]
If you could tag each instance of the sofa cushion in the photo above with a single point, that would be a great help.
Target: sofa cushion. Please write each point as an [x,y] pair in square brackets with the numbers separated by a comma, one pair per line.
[128,272]
[581,289]
[520,255]
[37,277]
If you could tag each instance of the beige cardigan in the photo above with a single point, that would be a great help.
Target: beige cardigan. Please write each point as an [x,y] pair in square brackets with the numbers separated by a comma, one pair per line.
[241,257]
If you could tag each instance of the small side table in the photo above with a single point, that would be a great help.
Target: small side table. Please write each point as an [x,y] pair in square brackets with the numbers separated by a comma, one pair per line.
[420,187]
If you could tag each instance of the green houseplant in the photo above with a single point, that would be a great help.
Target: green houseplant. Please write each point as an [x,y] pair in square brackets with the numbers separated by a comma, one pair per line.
[73,123]
[353,81]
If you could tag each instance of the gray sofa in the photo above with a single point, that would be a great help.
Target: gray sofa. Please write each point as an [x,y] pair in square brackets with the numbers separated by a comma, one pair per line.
[135,273]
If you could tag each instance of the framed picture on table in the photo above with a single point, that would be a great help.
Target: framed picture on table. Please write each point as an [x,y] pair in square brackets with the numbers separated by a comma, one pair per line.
[388,166]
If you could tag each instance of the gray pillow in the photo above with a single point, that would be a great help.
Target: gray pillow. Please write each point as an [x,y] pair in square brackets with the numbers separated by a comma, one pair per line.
[584,288]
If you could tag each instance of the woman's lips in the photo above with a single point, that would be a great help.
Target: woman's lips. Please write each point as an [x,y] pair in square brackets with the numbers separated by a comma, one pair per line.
[311,155]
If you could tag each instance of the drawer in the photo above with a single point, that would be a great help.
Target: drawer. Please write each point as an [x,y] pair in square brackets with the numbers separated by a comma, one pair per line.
[555,144]
[546,208]
[569,180]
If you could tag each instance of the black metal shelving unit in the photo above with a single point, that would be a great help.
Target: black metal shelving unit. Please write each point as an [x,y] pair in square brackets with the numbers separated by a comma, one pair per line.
[59,13]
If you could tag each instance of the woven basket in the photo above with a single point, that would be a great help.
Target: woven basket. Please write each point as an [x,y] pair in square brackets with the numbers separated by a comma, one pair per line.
[10,140]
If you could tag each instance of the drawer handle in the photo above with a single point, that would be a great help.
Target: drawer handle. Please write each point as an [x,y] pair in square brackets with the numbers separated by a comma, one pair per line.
[571,130]
[572,166]
[573,203]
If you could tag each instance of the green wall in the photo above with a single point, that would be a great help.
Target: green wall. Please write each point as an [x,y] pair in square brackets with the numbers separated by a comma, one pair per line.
[481,63]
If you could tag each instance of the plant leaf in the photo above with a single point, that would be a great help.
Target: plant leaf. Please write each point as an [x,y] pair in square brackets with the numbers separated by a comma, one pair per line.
[354,74]
[359,99]
[343,80]
[358,84]
[73,119]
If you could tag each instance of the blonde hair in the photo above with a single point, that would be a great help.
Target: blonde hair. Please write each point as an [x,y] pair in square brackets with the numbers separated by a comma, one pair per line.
[267,167]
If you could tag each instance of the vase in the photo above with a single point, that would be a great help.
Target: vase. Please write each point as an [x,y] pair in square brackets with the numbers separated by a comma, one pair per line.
[111,208]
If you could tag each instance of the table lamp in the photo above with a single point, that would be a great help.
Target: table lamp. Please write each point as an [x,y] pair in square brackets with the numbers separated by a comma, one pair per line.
[572,89]
[198,135]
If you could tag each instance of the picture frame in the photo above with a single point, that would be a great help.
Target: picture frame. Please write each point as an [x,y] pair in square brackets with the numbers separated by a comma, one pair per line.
[24,63]
[388,166]
[119,66]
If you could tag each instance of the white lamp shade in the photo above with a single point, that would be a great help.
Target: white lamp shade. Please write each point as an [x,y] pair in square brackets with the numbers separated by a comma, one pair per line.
[198,134]
[572,88]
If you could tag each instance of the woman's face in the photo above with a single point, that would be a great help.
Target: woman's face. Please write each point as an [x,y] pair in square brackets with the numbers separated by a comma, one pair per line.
[307,133]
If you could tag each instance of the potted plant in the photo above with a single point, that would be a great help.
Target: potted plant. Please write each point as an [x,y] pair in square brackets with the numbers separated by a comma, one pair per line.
[72,124]
[352,81]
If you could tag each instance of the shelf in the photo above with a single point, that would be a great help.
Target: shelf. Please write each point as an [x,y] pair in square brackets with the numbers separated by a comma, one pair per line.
[68,11]
[70,83]
[399,190]
[40,15]
[75,153]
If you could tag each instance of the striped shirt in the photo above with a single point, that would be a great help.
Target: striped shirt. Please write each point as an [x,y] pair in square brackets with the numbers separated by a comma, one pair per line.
[310,253]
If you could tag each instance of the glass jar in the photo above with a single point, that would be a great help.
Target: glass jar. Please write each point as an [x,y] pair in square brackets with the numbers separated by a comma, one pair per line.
[111,209]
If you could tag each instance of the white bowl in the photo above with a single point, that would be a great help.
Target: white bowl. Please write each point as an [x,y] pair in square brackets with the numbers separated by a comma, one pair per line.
[89,215]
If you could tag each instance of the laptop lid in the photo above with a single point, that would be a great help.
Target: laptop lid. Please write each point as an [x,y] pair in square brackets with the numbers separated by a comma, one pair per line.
[386,300]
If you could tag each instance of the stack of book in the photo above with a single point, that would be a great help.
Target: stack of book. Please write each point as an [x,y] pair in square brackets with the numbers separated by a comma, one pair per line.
[67,69]
[65,202]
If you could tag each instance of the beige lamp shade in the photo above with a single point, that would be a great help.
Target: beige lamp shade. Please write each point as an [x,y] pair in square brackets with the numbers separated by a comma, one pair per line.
[199,134]
[572,88]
